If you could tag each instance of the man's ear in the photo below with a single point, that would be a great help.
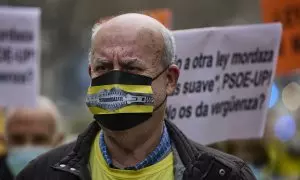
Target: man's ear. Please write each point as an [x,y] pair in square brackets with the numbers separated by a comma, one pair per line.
[59,138]
[172,77]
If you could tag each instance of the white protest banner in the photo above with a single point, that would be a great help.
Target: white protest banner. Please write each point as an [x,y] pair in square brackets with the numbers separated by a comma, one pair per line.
[224,83]
[19,56]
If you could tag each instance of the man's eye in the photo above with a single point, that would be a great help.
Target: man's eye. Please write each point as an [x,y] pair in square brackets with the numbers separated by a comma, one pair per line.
[17,139]
[132,68]
[101,68]
[40,139]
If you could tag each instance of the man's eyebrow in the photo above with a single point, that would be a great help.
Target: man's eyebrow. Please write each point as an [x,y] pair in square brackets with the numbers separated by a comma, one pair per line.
[129,62]
[99,60]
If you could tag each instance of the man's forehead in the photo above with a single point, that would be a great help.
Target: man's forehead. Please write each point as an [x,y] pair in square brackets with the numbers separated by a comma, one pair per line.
[128,37]
[31,116]
[119,34]
[130,26]
[128,45]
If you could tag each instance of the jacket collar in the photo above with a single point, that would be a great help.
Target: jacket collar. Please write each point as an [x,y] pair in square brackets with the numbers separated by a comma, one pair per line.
[76,162]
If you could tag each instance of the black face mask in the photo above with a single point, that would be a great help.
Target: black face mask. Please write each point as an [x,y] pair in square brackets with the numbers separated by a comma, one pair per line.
[121,100]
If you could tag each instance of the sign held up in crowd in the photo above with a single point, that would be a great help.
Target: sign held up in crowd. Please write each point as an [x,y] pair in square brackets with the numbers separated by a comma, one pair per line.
[225,79]
[222,91]
[19,56]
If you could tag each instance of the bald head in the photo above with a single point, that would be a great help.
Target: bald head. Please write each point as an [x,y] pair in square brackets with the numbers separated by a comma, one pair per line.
[140,28]
[134,20]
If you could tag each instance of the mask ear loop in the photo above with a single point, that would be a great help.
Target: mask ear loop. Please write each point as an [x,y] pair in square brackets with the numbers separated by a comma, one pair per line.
[165,99]
[161,103]
[160,73]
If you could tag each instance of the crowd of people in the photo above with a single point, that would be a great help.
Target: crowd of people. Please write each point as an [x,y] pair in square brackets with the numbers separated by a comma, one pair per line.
[133,54]
[129,53]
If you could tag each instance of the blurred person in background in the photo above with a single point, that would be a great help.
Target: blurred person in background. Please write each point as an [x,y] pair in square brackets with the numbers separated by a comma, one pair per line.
[29,132]
[133,72]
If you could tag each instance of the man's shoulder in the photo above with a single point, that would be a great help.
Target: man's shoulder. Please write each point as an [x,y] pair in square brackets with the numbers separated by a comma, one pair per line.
[40,165]
[55,155]
[225,158]
[237,166]
[203,161]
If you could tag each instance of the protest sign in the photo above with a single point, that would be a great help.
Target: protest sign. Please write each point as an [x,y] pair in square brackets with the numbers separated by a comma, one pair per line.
[286,12]
[224,83]
[19,56]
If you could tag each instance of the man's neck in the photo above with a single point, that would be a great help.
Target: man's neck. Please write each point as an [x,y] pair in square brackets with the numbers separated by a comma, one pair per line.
[130,147]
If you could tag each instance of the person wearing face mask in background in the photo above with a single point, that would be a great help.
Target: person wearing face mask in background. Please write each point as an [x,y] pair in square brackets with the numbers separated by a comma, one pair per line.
[29,132]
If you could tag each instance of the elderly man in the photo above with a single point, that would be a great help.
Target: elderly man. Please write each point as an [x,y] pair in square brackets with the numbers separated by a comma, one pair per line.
[29,132]
[132,74]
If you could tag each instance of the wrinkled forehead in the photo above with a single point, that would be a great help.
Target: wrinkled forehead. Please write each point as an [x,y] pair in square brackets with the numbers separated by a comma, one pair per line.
[128,40]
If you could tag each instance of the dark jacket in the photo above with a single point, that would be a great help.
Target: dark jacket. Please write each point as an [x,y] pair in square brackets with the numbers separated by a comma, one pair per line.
[5,173]
[70,162]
